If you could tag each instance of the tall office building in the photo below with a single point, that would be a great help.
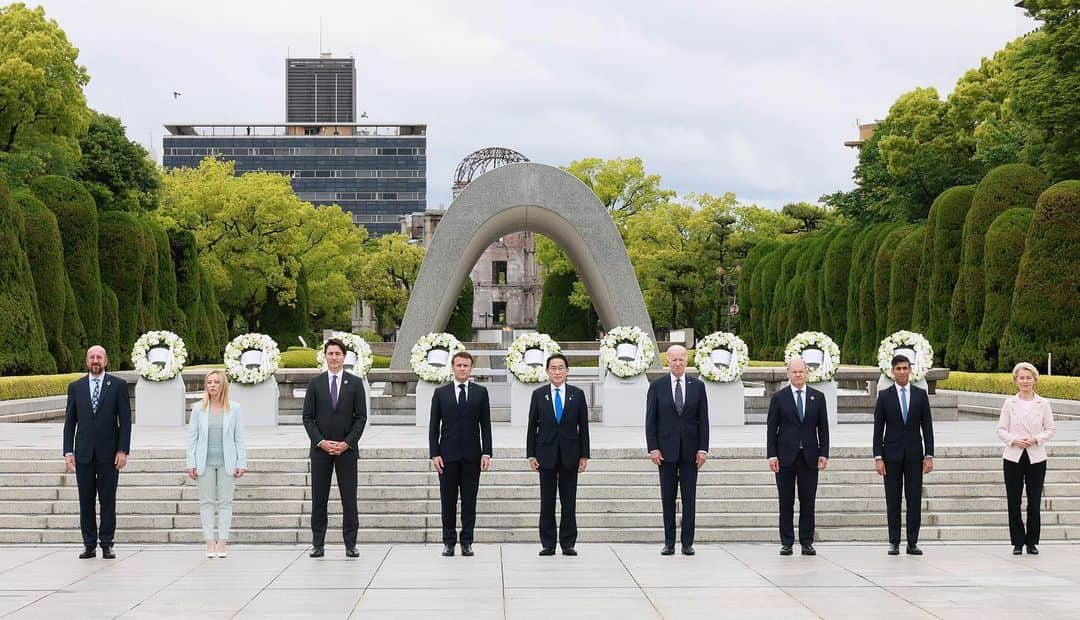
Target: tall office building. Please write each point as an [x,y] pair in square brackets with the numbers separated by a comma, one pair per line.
[376,172]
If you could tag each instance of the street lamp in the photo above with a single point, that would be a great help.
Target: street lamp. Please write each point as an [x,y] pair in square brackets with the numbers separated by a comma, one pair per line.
[728,282]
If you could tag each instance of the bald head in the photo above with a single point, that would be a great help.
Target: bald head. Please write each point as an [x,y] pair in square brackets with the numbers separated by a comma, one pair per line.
[796,372]
[676,359]
[96,359]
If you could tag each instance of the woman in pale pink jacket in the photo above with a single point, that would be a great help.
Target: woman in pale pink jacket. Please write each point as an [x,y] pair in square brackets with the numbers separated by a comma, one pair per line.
[1026,424]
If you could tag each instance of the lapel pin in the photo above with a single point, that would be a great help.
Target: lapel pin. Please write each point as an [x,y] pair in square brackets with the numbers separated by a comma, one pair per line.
[107,383]
[547,396]
[811,397]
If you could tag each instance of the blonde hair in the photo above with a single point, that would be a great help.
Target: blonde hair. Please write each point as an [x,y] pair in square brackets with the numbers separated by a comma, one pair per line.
[1028,367]
[223,396]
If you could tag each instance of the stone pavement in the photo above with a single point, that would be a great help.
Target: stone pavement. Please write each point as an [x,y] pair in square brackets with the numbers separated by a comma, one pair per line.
[623,581]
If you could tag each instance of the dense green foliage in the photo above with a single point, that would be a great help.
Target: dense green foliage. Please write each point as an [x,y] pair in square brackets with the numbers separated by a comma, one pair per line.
[558,318]
[950,209]
[23,347]
[122,246]
[904,280]
[460,323]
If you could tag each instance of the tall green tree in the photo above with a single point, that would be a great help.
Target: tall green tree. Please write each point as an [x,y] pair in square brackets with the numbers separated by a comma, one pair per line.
[117,171]
[23,347]
[42,107]
[950,210]
[387,275]
[1004,250]
[904,280]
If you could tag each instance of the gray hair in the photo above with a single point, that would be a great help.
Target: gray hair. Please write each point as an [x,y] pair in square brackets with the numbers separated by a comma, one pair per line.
[1025,366]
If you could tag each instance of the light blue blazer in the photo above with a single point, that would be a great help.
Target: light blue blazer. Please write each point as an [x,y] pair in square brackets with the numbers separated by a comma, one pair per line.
[232,442]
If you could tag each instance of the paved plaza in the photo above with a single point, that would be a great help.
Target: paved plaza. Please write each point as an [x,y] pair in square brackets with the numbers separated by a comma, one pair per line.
[510,581]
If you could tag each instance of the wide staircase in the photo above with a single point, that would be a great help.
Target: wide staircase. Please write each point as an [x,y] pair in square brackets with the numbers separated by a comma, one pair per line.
[618,498]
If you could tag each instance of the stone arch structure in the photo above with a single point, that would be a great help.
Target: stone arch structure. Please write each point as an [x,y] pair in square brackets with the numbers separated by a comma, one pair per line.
[531,197]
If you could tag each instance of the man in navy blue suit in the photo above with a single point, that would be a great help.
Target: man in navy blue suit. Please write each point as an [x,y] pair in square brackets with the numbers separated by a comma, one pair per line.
[557,446]
[677,437]
[797,445]
[903,451]
[97,440]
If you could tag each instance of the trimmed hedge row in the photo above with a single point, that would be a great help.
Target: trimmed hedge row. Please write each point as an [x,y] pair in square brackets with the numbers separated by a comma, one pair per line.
[23,347]
[36,386]
[1002,383]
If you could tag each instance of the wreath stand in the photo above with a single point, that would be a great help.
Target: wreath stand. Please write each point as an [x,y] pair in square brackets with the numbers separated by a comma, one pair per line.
[160,403]
[727,402]
[521,399]
[258,403]
[624,400]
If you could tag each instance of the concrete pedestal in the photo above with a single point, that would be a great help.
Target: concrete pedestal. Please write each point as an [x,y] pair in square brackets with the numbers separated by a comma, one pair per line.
[520,397]
[828,388]
[727,403]
[258,403]
[160,403]
[424,392]
[624,400]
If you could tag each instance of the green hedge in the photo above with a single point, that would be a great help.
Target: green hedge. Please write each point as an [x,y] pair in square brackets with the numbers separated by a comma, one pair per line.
[36,386]
[77,217]
[184,250]
[782,290]
[172,317]
[863,250]
[285,322]
[1002,383]
[834,284]
[1045,313]
[1003,188]
[904,281]
[949,211]
[883,261]
[460,323]
[299,357]
[110,320]
[746,289]
[46,257]
[557,317]
[867,330]
[122,248]
[151,314]
[1003,252]
[216,324]
[770,273]
[23,347]
[920,308]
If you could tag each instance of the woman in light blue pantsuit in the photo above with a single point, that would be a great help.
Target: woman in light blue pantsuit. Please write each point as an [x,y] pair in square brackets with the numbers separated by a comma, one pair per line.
[216,458]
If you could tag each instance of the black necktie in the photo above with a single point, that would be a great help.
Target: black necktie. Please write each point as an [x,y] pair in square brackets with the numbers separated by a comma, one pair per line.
[799,405]
[461,398]
[678,396]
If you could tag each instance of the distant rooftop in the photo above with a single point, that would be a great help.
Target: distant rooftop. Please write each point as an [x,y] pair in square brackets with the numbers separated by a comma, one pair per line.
[242,130]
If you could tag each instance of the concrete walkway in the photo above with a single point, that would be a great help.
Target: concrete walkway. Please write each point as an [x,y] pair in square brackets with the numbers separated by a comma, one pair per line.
[509,581]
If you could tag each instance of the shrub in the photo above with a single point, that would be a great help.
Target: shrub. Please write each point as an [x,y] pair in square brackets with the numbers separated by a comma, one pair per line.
[782,291]
[46,258]
[904,281]
[834,283]
[948,211]
[920,310]
[74,334]
[172,317]
[747,288]
[23,347]
[36,386]
[557,317]
[770,273]
[460,323]
[1003,188]
[864,247]
[883,260]
[867,330]
[1002,383]
[1004,250]
[1045,315]
[185,257]
[110,320]
[286,322]
[77,218]
[122,247]
[151,317]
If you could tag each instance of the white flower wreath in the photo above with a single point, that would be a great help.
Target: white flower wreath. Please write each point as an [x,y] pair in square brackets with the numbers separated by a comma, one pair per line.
[530,370]
[360,360]
[424,368]
[817,371]
[159,355]
[910,345]
[737,355]
[622,365]
[256,368]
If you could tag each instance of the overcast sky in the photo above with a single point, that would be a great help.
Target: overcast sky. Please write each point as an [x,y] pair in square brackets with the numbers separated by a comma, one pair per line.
[753,97]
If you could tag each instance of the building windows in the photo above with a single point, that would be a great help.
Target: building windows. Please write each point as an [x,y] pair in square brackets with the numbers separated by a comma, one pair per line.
[296,151]
[498,272]
[346,196]
[498,312]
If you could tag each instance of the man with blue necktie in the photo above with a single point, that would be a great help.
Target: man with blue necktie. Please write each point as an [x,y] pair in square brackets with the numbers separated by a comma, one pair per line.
[557,446]
[97,440]
[903,450]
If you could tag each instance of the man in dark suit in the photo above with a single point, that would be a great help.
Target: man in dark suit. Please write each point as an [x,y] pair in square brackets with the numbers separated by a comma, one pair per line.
[334,416]
[902,429]
[97,440]
[459,443]
[797,440]
[677,437]
[557,446]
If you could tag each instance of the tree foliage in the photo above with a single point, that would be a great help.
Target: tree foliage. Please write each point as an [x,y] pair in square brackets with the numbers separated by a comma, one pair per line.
[117,171]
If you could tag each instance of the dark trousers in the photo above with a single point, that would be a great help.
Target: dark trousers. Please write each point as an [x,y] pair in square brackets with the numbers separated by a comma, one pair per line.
[97,482]
[462,477]
[805,478]
[904,478]
[672,477]
[323,465]
[565,480]
[1017,476]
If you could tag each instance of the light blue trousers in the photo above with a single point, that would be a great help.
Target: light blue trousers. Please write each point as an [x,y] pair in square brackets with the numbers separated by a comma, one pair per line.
[215,496]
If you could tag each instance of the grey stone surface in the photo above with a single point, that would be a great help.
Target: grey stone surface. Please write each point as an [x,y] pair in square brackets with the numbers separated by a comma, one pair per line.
[523,197]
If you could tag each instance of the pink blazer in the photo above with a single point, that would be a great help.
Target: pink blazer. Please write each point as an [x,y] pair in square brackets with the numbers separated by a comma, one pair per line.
[1037,423]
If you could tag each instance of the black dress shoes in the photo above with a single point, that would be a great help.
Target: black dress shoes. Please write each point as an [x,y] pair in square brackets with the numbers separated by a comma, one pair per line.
[316,552]
[107,553]
[352,552]
[88,553]
[448,551]
[667,550]
[1033,550]
[546,551]
[688,550]
[568,551]
[809,550]
[466,550]
[894,549]
[785,549]
[914,550]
